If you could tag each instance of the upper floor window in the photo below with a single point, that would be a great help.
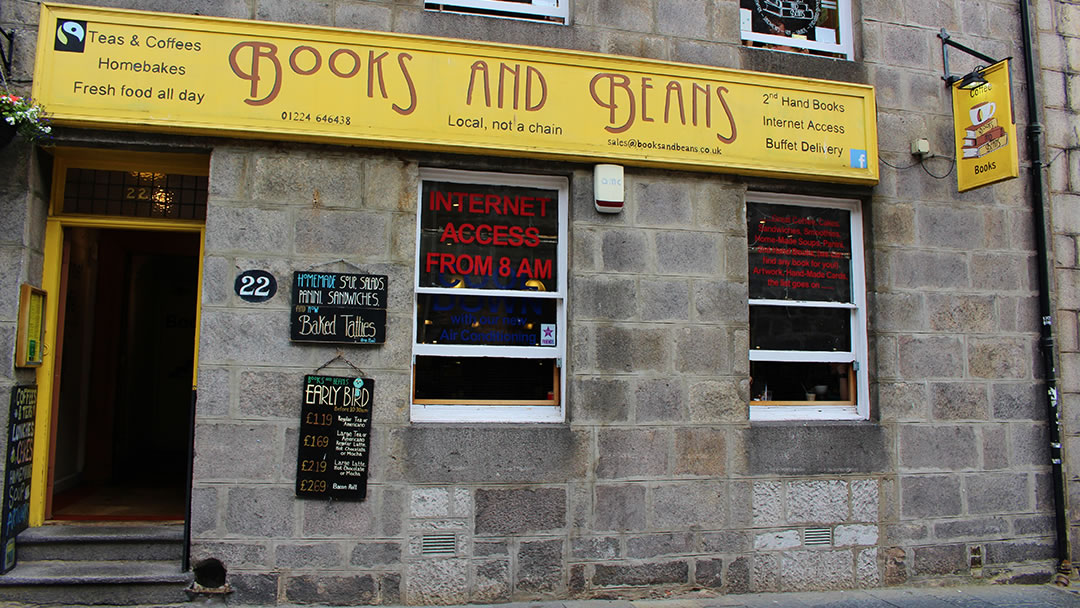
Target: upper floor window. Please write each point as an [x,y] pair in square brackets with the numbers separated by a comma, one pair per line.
[819,27]
[555,11]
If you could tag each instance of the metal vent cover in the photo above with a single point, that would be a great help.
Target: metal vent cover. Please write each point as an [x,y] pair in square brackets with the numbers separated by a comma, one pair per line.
[817,537]
[438,544]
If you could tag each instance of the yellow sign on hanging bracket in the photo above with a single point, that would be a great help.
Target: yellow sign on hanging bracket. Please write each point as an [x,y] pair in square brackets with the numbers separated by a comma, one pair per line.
[985,130]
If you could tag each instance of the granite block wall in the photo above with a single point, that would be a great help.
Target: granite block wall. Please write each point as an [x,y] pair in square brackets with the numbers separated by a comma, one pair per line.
[23,207]
[1059,54]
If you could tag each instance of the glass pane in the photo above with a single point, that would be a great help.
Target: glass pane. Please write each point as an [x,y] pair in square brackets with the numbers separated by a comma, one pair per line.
[799,253]
[485,320]
[800,328]
[804,382]
[488,237]
[135,194]
[467,379]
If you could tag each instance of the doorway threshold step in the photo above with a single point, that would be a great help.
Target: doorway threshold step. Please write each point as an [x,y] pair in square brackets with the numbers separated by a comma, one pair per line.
[101,543]
[95,582]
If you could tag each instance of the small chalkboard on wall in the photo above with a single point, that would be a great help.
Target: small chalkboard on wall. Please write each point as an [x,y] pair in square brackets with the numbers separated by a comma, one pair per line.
[338,308]
[335,436]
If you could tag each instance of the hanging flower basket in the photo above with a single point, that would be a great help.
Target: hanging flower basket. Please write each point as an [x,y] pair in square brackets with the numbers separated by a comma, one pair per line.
[21,117]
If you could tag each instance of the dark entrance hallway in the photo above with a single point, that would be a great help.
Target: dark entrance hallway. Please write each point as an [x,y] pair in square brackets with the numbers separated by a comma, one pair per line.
[126,352]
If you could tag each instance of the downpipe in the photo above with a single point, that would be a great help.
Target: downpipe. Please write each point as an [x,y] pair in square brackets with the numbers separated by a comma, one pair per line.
[1046,338]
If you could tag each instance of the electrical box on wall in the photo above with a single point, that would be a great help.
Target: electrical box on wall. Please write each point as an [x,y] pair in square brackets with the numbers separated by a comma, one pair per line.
[608,188]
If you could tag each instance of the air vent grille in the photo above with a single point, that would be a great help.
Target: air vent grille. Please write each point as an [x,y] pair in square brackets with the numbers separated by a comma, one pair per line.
[438,544]
[817,537]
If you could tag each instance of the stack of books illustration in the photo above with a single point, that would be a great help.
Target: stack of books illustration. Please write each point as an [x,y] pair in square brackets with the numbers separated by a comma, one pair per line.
[985,136]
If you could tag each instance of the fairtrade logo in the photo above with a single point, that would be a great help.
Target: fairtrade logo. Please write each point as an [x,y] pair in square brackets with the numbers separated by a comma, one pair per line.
[70,36]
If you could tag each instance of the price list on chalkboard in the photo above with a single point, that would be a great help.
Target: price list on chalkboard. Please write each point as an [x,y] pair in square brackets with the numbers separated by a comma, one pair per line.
[338,308]
[335,434]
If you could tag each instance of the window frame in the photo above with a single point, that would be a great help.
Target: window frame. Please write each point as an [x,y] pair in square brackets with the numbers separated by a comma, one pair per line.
[535,10]
[482,410]
[845,48]
[857,356]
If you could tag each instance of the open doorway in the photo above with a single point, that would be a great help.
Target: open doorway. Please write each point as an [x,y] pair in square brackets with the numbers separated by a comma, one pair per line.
[126,340]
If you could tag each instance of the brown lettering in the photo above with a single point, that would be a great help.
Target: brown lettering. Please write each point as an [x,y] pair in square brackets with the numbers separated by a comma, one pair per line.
[334,67]
[259,51]
[615,81]
[412,88]
[296,68]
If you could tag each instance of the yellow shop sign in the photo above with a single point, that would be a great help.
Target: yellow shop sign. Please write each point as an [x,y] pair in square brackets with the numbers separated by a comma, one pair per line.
[985,130]
[137,70]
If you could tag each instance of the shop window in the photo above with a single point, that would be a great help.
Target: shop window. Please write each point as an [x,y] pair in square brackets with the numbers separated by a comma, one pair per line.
[819,27]
[489,336]
[555,11]
[807,308]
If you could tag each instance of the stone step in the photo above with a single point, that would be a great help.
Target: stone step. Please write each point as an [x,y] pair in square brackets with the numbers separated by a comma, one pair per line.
[101,543]
[111,582]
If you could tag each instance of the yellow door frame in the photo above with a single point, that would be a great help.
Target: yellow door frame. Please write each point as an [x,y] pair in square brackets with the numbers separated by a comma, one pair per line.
[47,380]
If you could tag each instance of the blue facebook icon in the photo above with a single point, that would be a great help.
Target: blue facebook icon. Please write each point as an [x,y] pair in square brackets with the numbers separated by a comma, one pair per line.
[858,159]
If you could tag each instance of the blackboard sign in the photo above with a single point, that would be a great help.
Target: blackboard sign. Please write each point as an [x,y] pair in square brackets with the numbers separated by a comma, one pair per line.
[338,308]
[20,456]
[335,433]
[799,253]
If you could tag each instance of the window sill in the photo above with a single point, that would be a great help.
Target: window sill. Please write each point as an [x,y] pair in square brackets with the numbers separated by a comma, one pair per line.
[514,414]
[769,413]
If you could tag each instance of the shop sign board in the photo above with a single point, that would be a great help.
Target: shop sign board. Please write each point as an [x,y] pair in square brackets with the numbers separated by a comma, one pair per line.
[335,436]
[338,308]
[985,130]
[199,75]
[15,513]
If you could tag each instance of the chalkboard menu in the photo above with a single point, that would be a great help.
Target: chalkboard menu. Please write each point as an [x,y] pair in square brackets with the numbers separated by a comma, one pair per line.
[338,308]
[335,433]
[799,253]
[20,456]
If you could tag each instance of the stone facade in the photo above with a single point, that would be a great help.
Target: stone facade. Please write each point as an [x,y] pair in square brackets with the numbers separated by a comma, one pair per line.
[1059,54]
[657,482]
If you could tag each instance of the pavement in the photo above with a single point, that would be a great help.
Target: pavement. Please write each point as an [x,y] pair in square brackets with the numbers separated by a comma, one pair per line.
[967,596]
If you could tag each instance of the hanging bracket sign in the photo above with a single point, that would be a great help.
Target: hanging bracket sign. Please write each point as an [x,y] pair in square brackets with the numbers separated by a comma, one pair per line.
[338,308]
[335,434]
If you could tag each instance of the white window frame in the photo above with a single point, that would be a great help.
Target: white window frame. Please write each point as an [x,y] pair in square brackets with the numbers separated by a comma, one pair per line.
[545,11]
[859,349]
[495,413]
[845,47]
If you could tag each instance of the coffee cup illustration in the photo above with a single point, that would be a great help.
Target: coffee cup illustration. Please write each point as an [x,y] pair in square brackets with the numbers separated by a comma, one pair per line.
[982,112]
